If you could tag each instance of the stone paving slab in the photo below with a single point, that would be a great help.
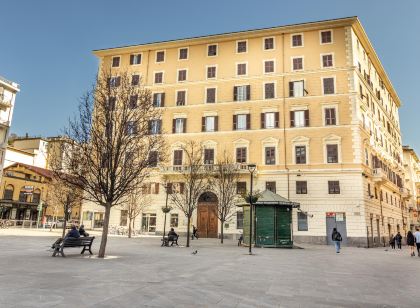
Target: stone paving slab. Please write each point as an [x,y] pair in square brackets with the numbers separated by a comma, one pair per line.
[143,274]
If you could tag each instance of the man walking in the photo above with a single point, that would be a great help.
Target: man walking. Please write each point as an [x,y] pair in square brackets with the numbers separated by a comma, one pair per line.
[417,238]
[398,239]
[336,238]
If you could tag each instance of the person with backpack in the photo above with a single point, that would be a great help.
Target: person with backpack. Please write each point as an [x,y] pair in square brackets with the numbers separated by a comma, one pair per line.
[410,243]
[336,238]
[392,241]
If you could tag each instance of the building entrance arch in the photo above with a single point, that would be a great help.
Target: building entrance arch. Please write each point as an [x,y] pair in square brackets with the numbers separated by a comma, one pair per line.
[207,221]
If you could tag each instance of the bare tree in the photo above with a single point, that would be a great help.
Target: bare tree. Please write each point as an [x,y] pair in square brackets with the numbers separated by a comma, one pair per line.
[223,183]
[112,142]
[64,197]
[193,181]
[136,203]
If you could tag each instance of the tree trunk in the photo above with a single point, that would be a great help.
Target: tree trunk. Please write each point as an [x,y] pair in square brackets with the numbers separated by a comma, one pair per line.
[105,231]
[64,228]
[134,220]
[221,231]
[188,231]
[129,227]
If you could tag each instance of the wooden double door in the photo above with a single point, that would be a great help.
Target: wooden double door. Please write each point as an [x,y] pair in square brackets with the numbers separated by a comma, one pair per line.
[207,220]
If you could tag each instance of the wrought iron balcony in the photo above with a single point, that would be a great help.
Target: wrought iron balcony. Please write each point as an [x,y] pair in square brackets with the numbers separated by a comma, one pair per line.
[202,168]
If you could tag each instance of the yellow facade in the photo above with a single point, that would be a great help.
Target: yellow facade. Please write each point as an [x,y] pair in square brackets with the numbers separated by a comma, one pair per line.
[366,143]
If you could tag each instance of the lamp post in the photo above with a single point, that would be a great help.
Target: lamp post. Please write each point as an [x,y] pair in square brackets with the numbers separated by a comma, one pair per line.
[251,169]
[165,210]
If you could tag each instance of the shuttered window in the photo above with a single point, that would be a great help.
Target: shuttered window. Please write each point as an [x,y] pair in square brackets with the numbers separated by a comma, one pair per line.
[332,153]
[300,154]
[269,90]
[270,155]
[177,157]
[330,118]
[242,93]
[241,155]
[328,85]
[333,187]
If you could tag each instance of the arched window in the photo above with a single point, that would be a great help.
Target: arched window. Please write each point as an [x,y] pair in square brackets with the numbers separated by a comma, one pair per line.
[36,197]
[23,195]
[8,192]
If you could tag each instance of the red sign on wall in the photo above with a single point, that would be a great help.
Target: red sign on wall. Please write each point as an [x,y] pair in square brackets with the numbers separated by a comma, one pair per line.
[330,214]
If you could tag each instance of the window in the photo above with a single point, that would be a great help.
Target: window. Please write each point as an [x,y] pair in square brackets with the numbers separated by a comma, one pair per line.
[155,127]
[177,157]
[153,158]
[297,40]
[241,155]
[135,59]
[115,82]
[123,217]
[160,56]
[241,46]
[326,37]
[239,220]
[328,85]
[241,188]
[330,118]
[182,75]
[208,156]
[271,186]
[241,122]
[269,90]
[8,193]
[301,187]
[209,123]
[270,155]
[212,50]
[210,95]
[302,221]
[132,103]
[211,72]
[159,77]
[297,64]
[297,88]
[36,196]
[174,221]
[183,53]
[179,125]
[241,69]
[158,99]
[299,118]
[269,43]
[116,61]
[268,66]
[327,60]
[300,154]
[242,93]
[180,98]
[131,128]
[270,120]
[332,153]
[333,187]
[135,80]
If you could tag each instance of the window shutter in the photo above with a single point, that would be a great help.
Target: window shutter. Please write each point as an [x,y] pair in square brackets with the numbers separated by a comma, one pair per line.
[234,122]
[306,117]
[276,119]
[173,125]
[235,94]
[292,119]
[216,123]
[248,121]
[162,100]
[160,126]
[131,59]
[185,126]
[248,92]
[291,94]
[156,188]
[262,120]
[149,127]
[169,188]
[181,188]
[203,124]
[333,118]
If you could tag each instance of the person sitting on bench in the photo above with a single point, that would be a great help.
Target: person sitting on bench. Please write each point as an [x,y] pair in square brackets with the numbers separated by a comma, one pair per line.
[172,236]
[82,231]
[72,233]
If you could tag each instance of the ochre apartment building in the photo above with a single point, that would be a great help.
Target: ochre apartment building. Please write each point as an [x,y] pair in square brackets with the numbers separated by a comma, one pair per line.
[310,104]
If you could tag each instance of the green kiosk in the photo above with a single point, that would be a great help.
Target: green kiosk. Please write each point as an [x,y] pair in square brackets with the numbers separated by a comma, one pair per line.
[272,225]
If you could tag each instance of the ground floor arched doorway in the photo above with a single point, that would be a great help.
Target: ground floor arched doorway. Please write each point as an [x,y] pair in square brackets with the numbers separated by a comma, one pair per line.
[207,221]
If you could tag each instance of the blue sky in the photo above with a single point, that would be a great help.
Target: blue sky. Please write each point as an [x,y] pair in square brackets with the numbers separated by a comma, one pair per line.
[46,44]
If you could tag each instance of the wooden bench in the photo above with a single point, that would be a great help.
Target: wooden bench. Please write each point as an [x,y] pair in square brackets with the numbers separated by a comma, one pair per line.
[172,239]
[85,242]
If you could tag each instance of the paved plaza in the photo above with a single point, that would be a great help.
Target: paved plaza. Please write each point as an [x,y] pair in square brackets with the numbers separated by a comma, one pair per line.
[140,273]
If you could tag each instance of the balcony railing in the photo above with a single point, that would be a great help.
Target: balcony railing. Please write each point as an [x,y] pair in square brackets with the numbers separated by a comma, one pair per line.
[379,175]
[405,192]
[202,168]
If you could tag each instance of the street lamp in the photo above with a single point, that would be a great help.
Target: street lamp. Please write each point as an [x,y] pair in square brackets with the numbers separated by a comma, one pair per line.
[165,209]
[251,169]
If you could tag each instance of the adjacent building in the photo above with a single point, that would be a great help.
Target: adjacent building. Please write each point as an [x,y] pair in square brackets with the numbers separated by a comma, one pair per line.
[310,104]
[8,91]
[412,184]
